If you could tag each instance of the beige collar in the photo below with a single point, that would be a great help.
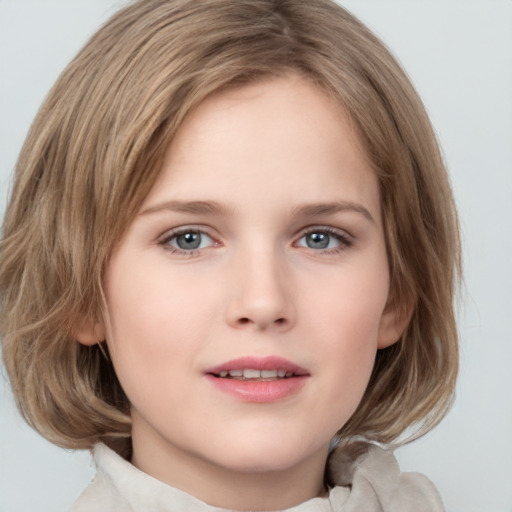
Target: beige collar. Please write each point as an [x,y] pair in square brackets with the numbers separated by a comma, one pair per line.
[369,480]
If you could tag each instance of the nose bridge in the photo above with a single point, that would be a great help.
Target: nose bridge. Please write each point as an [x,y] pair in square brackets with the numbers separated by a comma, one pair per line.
[262,288]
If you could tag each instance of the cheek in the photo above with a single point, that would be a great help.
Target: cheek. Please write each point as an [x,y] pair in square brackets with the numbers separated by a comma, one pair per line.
[350,303]
[346,319]
[154,331]
[348,359]
[155,317]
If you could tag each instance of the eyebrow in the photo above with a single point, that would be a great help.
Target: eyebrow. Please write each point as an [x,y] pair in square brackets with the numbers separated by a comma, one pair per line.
[319,209]
[191,207]
[215,208]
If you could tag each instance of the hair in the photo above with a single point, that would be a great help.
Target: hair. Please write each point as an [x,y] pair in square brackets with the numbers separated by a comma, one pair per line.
[95,150]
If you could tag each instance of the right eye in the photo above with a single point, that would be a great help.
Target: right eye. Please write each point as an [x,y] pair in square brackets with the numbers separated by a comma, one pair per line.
[187,241]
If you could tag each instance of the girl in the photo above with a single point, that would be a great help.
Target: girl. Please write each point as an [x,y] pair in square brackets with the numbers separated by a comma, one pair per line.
[228,262]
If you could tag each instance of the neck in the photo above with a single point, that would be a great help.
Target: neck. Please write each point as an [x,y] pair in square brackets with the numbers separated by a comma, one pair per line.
[232,488]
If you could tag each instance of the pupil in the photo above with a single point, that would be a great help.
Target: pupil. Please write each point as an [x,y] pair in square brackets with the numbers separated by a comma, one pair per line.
[189,240]
[317,240]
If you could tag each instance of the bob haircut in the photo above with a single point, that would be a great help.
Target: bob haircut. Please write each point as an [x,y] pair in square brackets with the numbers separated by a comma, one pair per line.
[95,150]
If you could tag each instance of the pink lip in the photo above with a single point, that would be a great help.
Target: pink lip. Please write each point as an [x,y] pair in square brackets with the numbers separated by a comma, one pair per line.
[258,363]
[255,390]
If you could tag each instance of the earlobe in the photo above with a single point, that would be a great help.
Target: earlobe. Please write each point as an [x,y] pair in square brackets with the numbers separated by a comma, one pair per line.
[394,321]
[91,334]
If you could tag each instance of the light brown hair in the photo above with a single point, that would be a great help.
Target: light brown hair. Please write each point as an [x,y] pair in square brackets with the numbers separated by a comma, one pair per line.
[95,150]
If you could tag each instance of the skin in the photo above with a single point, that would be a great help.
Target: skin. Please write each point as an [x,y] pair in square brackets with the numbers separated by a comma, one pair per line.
[255,287]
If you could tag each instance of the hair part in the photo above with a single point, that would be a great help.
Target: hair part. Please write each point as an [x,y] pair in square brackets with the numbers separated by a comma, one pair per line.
[96,148]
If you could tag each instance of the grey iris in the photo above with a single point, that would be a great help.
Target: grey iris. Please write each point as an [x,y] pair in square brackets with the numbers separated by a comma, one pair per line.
[188,240]
[317,240]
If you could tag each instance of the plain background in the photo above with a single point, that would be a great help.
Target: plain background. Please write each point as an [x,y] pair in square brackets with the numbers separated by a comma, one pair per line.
[459,55]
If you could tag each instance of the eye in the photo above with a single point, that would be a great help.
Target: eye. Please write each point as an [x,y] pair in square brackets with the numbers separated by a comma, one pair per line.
[324,239]
[187,240]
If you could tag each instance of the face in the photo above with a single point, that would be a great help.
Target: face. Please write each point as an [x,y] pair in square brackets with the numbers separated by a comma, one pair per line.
[249,296]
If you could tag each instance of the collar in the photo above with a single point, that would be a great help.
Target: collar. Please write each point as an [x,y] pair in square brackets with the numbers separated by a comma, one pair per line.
[364,477]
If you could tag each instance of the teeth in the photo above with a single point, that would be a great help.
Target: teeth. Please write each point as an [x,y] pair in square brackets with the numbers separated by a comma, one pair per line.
[249,373]
[252,374]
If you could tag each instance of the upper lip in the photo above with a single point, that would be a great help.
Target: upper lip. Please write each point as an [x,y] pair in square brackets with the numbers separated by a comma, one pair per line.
[257,363]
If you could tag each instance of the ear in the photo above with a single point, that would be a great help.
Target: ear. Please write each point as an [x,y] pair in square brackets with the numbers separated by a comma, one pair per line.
[91,334]
[394,321]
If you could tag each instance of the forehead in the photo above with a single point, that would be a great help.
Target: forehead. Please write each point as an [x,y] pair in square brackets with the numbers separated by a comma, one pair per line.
[277,104]
[279,137]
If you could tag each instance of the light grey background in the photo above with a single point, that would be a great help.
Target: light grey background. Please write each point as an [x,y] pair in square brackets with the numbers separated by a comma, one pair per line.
[459,55]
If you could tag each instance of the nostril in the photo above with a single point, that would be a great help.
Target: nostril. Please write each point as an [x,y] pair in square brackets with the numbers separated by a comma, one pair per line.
[245,321]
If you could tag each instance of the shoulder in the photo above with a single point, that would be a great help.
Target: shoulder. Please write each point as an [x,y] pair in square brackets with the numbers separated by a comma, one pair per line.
[121,487]
[375,480]
[102,494]
[97,497]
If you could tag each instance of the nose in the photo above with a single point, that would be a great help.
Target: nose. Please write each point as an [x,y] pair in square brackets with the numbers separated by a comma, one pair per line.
[261,292]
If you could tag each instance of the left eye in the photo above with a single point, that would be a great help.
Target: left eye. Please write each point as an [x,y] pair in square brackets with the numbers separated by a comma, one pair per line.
[319,239]
[189,240]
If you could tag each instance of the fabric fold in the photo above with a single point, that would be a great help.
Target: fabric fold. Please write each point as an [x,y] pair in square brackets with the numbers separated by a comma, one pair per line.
[366,478]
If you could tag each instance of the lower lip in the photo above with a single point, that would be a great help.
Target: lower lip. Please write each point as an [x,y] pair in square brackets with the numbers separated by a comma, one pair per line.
[259,391]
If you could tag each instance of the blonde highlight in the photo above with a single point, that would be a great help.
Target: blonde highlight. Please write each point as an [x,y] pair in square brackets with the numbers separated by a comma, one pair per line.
[95,150]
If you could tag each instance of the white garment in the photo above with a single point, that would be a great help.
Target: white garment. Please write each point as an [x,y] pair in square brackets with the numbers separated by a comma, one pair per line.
[370,483]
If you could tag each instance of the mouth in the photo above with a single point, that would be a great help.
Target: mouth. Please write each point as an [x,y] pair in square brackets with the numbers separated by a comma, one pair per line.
[253,374]
[254,379]
[257,368]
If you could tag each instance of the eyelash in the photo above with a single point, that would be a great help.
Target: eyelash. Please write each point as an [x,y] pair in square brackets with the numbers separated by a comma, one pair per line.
[345,240]
[165,242]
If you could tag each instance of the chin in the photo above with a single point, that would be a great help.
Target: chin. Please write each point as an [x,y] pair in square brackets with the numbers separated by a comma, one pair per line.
[256,456]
